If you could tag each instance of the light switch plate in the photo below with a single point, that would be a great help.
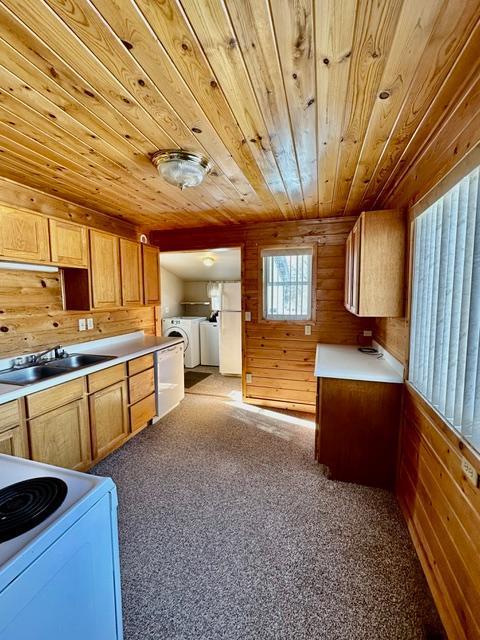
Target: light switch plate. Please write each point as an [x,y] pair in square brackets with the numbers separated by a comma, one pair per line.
[248,378]
[248,316]
[82,324]
[470,472]
[368,333]
[90,323]
[308,330]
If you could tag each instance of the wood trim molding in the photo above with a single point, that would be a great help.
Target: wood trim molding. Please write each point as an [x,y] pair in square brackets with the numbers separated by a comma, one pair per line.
[22,197]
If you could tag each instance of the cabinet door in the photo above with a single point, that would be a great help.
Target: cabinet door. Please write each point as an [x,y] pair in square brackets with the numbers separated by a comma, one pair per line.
[69,243]
[108,418]
[23,235]
[131,268]
[348,273]
[105,268]
[14,442]
[61,437]
[355,267]
[151,275]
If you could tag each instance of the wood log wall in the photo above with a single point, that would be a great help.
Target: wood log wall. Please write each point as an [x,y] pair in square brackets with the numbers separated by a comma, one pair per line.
[279,355]
[32,317]
[441,507]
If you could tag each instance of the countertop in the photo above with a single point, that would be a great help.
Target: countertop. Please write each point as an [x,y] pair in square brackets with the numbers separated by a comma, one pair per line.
[123,348]
[348,363]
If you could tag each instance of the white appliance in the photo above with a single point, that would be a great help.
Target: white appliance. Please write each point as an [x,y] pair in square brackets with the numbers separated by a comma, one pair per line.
[61,578]
[209,343]
[169,378]
[187,328]
[230,323]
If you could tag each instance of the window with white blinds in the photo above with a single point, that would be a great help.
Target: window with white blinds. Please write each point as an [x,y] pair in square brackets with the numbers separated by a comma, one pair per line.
[445,314]
[287,284]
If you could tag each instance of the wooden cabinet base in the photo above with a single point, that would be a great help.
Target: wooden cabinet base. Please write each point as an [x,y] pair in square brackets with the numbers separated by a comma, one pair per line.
[357,430]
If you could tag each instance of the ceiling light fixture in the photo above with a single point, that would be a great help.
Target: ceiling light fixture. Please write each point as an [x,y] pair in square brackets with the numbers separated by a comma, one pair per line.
[208,261]
[181,168]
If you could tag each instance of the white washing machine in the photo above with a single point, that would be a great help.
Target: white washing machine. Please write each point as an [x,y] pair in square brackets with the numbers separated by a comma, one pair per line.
[188,328]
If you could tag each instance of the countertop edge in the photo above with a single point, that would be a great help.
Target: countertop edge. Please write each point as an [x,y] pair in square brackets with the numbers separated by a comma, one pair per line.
[388,376]
[21,391]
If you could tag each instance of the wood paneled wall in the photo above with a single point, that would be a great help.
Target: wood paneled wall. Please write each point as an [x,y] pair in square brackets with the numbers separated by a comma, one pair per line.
[442,510]
[279,355]
[32,318]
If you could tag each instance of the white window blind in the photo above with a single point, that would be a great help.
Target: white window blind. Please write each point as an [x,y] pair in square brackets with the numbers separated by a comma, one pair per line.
[445,327]
[287,284]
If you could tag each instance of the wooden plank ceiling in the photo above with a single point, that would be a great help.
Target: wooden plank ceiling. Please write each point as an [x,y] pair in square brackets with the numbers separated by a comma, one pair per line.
[307,108]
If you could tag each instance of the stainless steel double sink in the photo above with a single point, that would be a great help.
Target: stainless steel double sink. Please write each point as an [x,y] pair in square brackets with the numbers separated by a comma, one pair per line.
[36,373]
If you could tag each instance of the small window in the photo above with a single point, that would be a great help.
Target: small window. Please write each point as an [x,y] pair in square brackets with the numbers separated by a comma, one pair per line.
[445,333]
[287,284]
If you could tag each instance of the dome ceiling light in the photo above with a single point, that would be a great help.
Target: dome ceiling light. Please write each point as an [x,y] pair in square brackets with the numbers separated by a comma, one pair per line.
[208,261]
[181,168]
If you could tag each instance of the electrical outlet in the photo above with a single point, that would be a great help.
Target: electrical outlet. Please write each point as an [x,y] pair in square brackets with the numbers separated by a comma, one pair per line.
[308,330]
[90,323]
[248,316]
[470,472]
[248,378]
[368,333]
[82,324]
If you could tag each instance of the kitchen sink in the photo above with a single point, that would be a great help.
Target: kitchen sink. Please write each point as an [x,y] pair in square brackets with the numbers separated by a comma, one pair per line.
[77,361]
[36,373]
[29,375]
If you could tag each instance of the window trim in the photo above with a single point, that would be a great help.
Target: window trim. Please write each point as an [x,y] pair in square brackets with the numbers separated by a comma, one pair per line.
[313,301]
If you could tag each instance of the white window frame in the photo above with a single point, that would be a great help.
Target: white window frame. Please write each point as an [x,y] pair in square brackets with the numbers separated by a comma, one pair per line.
[444,363]
[267,287]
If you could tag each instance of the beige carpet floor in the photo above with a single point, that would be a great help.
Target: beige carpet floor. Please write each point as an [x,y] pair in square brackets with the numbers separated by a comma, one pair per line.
[229,531]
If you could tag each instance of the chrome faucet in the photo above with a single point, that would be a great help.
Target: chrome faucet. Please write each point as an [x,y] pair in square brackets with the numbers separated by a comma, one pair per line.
[58,353]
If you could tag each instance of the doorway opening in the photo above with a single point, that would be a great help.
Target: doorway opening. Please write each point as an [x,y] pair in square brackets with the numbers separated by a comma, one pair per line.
[202,304]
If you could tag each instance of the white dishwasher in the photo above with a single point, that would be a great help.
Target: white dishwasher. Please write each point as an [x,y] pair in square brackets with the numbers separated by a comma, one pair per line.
[169,382]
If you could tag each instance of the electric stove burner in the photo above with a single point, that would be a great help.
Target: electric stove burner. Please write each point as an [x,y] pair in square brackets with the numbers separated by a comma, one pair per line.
[26,504]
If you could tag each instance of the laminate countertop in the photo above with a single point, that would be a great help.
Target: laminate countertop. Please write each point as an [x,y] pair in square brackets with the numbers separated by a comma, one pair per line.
[346,362]
[122,348]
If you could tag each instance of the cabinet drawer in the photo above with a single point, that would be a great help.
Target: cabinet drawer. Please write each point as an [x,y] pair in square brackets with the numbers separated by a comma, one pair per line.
[44,401]
[9,415]
[141,385]
[106,377]
[140,364]
[142,412]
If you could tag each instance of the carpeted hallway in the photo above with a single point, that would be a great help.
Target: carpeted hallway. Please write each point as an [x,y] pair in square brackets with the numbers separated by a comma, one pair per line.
[228,530]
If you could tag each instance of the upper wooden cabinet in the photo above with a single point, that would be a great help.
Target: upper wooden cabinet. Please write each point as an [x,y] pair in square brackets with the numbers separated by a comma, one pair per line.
[105,270]
[23,236]
[68,243]
[131,268]
[374,264]
[151,275]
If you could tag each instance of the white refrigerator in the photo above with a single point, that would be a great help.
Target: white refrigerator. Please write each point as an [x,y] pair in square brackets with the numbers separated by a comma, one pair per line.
[230,323]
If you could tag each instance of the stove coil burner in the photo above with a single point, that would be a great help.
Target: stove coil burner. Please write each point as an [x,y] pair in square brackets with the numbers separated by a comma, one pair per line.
[26,504]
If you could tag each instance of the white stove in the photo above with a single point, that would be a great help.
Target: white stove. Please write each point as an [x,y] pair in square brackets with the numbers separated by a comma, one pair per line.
[60,579]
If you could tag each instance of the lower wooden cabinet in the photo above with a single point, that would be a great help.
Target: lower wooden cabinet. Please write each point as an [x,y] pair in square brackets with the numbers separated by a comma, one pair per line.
[62,437]
[357,430]
[142,412]
[14,442]
[108,418]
